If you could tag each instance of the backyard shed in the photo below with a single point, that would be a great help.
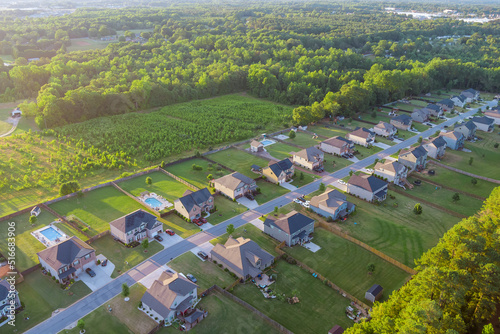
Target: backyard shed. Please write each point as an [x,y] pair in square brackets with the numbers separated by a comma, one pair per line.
[336,330]
[375,293]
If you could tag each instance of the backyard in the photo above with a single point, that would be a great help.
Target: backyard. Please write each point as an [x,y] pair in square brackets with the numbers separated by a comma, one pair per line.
[304,140]
[198,178]
[269,191]
[329,132]
[226,209]
[239,161]
[281,151]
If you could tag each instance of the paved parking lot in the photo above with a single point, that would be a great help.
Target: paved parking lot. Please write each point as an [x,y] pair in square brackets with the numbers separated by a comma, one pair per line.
[206,248]
[102,277]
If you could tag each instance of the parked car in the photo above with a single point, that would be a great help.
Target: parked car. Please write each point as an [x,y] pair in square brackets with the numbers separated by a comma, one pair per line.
[297,201]
[170,232]
[191,278]
[249,196]
[306,205]
[302,199]
[90,272]
[203,255]
[197,222]
[157,237]
[203,220]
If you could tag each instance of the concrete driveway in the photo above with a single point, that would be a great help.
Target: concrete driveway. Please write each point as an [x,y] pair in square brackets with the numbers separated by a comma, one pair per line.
[205,248]
[102,277]
[382,145]
[258,223]
[206,226]
[169,240]
[353,159]
[288,185]
[251,204]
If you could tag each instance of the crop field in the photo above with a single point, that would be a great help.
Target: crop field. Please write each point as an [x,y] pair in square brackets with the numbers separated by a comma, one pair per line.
[239,161]
[281,151]
[198,178]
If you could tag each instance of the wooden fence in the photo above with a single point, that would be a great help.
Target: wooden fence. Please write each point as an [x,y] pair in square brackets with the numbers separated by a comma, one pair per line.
[235,283]
[179,179]
[12,215]
[463,172]
[218,163]
[156,213]
[98,236]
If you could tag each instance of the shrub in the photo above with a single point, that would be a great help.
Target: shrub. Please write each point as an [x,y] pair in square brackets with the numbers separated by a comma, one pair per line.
[85,229]
[140,303]
[98,262]
[417,209]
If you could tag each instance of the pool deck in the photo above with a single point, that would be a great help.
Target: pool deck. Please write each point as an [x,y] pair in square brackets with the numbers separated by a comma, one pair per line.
[46,241]
[164,203]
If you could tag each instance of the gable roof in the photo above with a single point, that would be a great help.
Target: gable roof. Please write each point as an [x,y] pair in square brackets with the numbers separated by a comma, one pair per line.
[289,223]
[4,289]
[422,112]
[310,154]
[338,141]
[469,125]
[241,255]
[471,90]
[255,143]
[280,166]
[196,198]
[331,199]
[434,107]
[375,289]
[453,135]
[367,182]
[495,112]
[404,119]
[447,102]
[134,220]
[483,120]
[336,330]
[361,132]
[65,253]
[234,180]
[460,97]
[385,126]
[417,152]
[437,142]
[392,166]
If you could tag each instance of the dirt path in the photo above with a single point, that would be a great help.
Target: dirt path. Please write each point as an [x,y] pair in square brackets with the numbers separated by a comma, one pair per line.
[14,122]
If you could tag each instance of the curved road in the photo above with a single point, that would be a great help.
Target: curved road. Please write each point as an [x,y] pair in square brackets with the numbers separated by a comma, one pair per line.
[97,298]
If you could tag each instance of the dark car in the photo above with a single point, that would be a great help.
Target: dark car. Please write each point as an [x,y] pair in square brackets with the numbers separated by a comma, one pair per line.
[170,232]
[157,237]
[203,255]
[191,278]
[104,263]
[249,196]
[90,272]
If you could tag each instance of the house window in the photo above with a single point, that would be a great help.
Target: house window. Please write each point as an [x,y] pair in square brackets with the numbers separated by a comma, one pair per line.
[76,262]
[87,257]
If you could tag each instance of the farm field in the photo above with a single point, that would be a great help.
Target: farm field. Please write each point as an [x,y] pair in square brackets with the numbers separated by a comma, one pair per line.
[198,178]
[269,191]
[238,160]
[226,209]
[206,272]
[345,264]
[319,309]
[304,140]
[281,151]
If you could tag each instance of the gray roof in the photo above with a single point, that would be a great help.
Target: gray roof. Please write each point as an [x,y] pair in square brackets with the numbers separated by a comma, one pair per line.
[453,135]
[310,154]
[197,198]
[417,152]
[290,223]
[470,91]
[447,102]
[483,120]
[460,97]
[437,142]
[330,200]
[134,220]
[367,182]
[404,119]
[386,126]
[65,252]
[434,107]
[281,166]
[469,125]
[362,132]
[375,289]
[234,181]
[4,289]
[255,167]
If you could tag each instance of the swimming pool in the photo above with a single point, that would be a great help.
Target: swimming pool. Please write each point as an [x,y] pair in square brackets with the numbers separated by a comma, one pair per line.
[152,202]
[266,142]
[51,234]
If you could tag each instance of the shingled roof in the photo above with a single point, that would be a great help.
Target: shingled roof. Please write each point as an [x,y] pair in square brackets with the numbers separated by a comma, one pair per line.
[338,141]
[134,220]
[234,180]
[447,102]
[310,154]
[330,201]
[4,289]
[469,125]
[255,143]
[453,135]
[367,182]
[280,166]
[437,142]
[392,166]
[404,119]
[385,126]
[289,223]
[361,132]
[417,152]
[65,253]
[196,198]
[483,120]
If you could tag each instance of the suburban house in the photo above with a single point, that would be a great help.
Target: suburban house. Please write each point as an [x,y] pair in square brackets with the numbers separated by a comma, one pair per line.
[484,123]
[434,110]
[385,129]
[420,115]
[493,114]
[235,185]
[192,204]
[459,100]
[454,139]
[446,104]
[172,296]
[362,136]
[337,145]
[311,158]
[242,256]
[293,228]
[393,171]
[468,129]
[415,158]
[16,113]
[435,147]
[67,259]
[256,146]
[36,211]
[9,299]
[470,95]
[367,187]
[279,172]
[135,226]
[332,204]
[402,122]
[374,293]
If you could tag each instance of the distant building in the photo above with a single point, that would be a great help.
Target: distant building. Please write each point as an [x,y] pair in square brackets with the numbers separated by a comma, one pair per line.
[337,145]
[367,187]
[256,146]
[459,100]
[435,147]
[36,211]
[454,140]
[332,204]
[362,136]
[470,95]
[235,185]
[135,226]
[16,113]
[402,122]
[415,158]
[420,115]
[493,114]
[468,129]
[435,110]
[393,171]
[446,104]
[385,129]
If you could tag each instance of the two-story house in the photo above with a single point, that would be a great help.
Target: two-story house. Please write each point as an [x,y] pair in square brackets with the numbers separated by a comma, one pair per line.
[459,100]
[484,123]
[385,129]
[235,185]
[434,110]
[435,147]
[332,203]
[256,146]
[362,136]
[280,171]
[402,122]
[310,158]
[446,105]
[242,256]
[367,187]
[415,158]
[135,226]
[468,129]
[454,140]
[66,260]
[192,204]
[420,115]
[393,171]
[337,145]
[470,95]
[493,114]
[9,299]
[293,228]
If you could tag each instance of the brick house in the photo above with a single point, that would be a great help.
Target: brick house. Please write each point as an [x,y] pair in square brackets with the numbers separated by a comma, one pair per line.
[235,185]
[135,226]
[192,204]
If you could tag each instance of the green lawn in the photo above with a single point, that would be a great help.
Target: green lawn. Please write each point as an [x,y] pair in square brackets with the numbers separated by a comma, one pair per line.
[239,161]
[419,103]
[98,207]
[122,257]
[206,272]
[345,264]
[304,140]
[366,151]
[467,206]
[25,124]
[198,178]
[298,182]
[459,181]
[26,245]
[329,161]
[269,191]
[380,139]
[249,231]
[41,296]
[281,151]
[179,225]
[70,230]
[419,126]
[81,44]
[329,132]
[226,209]
[405,134]
[4,127]
[320,307]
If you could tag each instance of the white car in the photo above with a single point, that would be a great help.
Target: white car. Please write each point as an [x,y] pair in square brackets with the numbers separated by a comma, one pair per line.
[297,201]
[306,205]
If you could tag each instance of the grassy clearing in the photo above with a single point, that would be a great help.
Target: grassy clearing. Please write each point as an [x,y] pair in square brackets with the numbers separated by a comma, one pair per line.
[281,151]
[198,178]
[206,272]
[122,257]
[179,225]
[345,264]
[269,191]
[26,245]
[420,127]
[250,232]
[304,140]
[83,44]
[384,140]
[319,309]
[298,182]
[419,103]
[98,207]
[329,132]
[366,151]
[226,209]
[238,160]
[333,163]
[42,296]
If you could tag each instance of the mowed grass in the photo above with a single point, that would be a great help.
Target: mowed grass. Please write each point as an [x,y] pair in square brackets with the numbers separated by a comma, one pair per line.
[302,178]
[98,208]
[419,126]
[26,245]
[269,191]
[366,151]
[122,257]
[345,264]
[179,225]
[239,161]
[320,306]
[326,131]
[304,140]
[466,206]
[333,163]
[206,272]
[41,296]
[226,209]
[162,184]
[198,178]
[281,151]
